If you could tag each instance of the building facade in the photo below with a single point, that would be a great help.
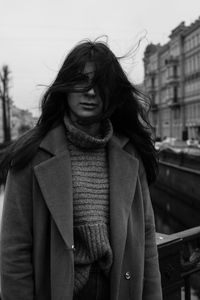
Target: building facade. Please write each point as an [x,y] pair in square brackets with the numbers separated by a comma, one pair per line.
[172,80]
[21,121]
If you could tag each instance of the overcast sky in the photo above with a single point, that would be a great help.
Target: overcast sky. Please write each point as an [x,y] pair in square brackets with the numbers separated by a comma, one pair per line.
[36,35]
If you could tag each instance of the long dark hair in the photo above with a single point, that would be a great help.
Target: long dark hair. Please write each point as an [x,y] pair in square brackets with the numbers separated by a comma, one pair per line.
[123,104]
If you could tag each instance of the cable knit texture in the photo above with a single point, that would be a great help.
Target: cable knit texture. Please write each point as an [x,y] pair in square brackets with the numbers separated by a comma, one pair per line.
[90,201]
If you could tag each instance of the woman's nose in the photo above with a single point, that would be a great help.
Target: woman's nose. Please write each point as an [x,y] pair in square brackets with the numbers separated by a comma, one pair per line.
[91,92]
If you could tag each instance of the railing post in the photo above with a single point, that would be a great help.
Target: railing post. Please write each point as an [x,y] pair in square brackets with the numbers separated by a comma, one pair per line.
[187,288]
[170,266]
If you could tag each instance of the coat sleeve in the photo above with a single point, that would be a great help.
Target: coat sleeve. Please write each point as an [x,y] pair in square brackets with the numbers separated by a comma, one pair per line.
[16,238]
[152,281]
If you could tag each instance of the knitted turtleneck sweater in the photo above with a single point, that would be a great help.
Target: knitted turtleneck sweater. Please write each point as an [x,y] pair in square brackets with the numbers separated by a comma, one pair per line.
[90,180]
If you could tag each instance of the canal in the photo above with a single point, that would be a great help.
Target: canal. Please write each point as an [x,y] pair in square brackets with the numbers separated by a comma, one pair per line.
[173,212]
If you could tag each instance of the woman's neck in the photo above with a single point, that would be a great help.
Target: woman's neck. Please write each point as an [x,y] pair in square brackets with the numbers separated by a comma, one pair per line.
[91,129]
[87,136]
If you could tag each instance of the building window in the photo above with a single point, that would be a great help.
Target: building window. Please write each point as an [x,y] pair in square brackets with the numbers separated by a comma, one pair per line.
[175,71]
[177,114]
[195,40]
[190,65]
[186,67]
[196,62]
[152,82]
[198,116]
[192,43]
[175,98]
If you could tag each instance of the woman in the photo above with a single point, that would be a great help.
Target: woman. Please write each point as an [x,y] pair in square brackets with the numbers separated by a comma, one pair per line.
[77,220]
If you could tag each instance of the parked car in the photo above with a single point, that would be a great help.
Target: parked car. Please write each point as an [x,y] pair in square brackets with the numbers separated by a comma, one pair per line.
[169,140]
[158,145]
[192,142]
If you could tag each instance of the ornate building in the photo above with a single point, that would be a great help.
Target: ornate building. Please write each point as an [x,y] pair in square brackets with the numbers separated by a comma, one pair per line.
[172,80]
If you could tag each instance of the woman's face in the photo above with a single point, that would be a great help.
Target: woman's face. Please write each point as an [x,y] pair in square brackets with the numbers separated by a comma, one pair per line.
[84,105]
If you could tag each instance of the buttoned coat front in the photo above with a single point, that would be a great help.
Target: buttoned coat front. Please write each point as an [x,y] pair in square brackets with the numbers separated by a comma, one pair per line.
[37,245]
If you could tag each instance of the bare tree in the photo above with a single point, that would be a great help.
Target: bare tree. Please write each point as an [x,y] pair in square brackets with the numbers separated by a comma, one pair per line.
[6,101]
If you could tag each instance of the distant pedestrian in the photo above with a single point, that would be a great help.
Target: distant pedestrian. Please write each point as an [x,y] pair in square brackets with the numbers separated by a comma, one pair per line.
[77,220]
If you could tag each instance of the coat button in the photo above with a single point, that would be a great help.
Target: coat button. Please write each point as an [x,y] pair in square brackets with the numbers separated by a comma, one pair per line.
[127,275]
[73,248]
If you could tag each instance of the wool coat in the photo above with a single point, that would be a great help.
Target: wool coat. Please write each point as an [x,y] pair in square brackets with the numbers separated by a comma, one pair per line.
[37,246]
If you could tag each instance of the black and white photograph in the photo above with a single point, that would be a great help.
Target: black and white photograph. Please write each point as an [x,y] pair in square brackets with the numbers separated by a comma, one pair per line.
[99,150]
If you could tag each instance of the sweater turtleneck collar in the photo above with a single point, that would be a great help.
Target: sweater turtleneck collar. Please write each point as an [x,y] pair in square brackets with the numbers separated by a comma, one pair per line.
[83,140]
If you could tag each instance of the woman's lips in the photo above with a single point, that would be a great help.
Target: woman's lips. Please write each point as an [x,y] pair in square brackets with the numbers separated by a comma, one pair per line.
[89,105]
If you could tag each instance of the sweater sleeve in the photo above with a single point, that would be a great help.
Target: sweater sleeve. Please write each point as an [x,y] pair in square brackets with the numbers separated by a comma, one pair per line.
[16,238]
[152,280]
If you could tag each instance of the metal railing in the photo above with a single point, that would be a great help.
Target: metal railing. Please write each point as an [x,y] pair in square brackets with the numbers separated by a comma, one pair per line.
[190,256]
[181,255]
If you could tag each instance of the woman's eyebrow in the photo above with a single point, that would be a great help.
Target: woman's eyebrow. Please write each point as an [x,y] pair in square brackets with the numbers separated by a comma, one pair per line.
[89,74]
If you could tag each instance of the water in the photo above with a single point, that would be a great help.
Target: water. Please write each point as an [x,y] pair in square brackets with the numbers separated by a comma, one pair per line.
[173,213]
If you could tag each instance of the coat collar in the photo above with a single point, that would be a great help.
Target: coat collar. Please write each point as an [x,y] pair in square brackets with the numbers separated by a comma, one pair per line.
[55,180]
[55,141]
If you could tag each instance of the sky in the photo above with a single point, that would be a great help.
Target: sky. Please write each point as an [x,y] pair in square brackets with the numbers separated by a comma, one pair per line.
[36,35]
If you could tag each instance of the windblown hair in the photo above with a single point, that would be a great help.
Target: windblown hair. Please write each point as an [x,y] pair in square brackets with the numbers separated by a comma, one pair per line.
[123,104]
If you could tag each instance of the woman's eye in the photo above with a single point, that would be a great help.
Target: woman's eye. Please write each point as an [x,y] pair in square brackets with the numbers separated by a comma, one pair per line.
[83,78]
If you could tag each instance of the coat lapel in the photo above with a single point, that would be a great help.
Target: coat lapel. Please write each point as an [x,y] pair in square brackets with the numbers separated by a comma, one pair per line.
[123,176]
[55,181]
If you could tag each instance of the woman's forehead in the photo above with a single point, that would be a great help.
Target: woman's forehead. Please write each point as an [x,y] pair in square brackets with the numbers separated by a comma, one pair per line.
[89,69]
